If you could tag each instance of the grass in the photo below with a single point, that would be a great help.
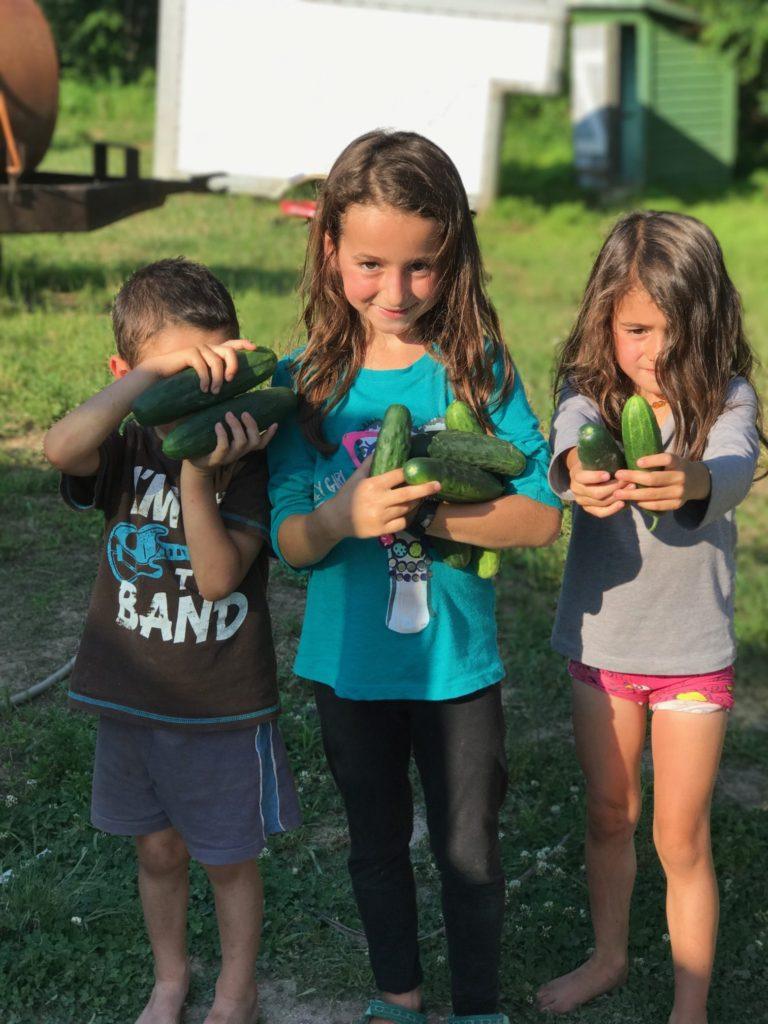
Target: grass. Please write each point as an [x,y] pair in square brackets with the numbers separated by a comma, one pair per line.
[72,947]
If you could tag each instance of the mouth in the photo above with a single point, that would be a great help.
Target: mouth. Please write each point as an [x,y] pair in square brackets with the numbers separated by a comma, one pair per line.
[393,314]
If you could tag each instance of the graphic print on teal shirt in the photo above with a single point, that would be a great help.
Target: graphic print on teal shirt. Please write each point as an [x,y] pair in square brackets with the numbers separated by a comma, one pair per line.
[408,560]
[346,641]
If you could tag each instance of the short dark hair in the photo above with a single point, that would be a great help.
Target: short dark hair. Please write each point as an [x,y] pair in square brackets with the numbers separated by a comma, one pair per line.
[171,291]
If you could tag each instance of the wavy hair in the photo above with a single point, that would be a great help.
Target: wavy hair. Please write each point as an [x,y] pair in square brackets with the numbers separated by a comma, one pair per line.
[678,261]
[409,173]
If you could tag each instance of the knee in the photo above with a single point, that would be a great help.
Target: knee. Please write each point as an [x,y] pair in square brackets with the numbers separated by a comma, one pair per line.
[469,861]
[612,819]
[231,874]
[162,853]
[680,849]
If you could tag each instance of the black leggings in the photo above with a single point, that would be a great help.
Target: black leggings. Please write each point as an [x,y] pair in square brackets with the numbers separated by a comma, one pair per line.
[459,750]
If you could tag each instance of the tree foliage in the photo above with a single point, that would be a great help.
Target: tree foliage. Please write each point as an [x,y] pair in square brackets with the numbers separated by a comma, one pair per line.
[113,39]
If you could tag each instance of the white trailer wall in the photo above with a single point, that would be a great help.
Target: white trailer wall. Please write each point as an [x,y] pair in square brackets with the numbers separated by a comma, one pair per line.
[268,92]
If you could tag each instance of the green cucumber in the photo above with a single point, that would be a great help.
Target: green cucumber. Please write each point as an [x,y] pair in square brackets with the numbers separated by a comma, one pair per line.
[480,450]
[180,395]
[486,562]
[598,450]
[452,552]
[393,444]
[640,436]
[459,416]
[196,435]
[460,483]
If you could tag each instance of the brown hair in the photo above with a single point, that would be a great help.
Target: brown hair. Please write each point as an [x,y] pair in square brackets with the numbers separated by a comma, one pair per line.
[678,261]
[409,173]
[170,291]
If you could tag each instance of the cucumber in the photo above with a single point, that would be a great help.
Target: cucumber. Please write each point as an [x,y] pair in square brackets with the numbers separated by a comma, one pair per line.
[598,450]
[393,444]
[180,395]
[480,450]
[640,436]
[452,552]
[459,416]
[460,483]
[486,562]
[196,435]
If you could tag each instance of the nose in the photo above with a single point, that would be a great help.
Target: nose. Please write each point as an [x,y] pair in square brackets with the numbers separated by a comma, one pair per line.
[396,288]
[654,346]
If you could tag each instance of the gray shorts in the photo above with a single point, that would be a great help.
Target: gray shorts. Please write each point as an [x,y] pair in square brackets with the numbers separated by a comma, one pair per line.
[224,792]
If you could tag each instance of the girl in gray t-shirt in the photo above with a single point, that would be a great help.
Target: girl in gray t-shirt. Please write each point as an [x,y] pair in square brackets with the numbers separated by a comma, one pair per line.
[646,618]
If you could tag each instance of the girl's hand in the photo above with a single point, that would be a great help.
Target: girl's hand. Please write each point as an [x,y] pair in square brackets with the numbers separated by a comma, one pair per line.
[593,489]
[667,481]
[214,363]
[246,437]
[369,506]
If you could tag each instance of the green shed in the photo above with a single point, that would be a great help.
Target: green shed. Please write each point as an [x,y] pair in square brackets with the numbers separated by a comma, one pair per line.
[651,105]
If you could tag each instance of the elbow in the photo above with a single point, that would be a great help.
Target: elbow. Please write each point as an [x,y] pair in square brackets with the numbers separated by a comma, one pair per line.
[53,451]
[216,590]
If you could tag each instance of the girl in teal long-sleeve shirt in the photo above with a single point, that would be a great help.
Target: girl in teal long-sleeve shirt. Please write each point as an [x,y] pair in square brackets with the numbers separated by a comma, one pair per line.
[401,648]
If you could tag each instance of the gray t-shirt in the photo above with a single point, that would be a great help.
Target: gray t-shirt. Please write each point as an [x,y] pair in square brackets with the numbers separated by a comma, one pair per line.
[655,603]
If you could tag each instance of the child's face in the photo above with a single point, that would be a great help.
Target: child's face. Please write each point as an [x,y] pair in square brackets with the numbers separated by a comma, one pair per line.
[173,338]
[387,261]
[639,334]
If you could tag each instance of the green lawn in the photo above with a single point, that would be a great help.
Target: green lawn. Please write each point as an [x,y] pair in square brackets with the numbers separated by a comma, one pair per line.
[72,947]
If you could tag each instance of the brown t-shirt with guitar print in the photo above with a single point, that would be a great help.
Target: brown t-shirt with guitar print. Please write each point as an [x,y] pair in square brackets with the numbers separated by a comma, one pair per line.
[153,650]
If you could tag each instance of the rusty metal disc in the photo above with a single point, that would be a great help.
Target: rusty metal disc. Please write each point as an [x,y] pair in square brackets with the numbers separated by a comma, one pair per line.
[29,79]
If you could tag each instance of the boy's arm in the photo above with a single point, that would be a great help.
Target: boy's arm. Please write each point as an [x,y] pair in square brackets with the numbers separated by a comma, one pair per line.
[72,444]
[221,557]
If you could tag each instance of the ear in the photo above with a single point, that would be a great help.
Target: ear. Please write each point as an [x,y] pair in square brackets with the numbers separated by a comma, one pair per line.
[329,249]
[118,367]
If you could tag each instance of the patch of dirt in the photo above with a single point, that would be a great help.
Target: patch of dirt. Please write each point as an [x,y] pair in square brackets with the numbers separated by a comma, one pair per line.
[24,444]
[747,786]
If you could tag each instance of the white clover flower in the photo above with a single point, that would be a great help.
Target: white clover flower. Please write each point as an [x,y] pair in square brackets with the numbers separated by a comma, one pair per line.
[31,782]
[582,912]
[440,958]
[534,783]
[543,853]
[665,937]
[524,855]
[294,871]
[514,883]
[555,809]
[11,800]
[574,789]
[76,920]
[548,905]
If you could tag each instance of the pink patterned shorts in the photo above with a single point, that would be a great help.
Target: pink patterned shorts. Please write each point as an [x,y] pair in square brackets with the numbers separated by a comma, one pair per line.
[698,694]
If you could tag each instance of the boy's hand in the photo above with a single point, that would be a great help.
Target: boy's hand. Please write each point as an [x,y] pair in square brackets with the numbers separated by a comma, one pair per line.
[370,506]
[667,481]
[214,363]
[594,489]
[246,437]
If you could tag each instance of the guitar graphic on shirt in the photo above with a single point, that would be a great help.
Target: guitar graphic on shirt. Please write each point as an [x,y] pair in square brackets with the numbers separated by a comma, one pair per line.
[139,551]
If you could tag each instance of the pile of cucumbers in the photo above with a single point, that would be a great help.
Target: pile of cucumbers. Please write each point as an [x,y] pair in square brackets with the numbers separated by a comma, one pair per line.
[640,436]
[469,464]
[180,397]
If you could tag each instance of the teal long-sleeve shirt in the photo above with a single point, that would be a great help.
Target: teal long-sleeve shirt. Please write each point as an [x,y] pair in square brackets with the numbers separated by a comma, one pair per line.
[385,618]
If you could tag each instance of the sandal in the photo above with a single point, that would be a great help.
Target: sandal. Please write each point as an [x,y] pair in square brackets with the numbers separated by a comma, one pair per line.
[390,1012]
[479,1018]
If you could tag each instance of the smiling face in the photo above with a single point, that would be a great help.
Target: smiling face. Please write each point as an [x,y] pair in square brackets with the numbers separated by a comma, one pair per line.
[387,261]
[639,335]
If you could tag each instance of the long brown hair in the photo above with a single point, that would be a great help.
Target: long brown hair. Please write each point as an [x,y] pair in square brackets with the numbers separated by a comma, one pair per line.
[405,171]
[678,261]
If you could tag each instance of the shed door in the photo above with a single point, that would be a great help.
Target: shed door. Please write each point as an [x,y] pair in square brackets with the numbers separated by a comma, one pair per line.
[630,111]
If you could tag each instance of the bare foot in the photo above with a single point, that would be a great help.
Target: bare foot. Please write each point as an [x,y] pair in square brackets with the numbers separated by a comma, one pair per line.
[588,981]
[227,1010]
[694,1018]
[165,1003]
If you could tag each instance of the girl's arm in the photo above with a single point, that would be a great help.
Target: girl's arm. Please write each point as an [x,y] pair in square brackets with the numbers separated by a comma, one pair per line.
[511,521]
[364,507]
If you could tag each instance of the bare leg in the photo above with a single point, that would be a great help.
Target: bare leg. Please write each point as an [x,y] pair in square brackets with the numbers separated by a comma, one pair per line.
[610,733]
[686,754]
[239,897]
[164,892]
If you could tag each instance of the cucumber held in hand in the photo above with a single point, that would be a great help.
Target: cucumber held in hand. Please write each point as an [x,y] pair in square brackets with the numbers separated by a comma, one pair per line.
[180,395]
[460,483]
[459,416]
[640,436]
[598,450]
[480,450]
[196,435]
[393,444]
[452,552]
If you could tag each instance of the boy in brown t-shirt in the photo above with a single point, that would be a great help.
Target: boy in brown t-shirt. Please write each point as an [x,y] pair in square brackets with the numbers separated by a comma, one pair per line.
[176,656]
